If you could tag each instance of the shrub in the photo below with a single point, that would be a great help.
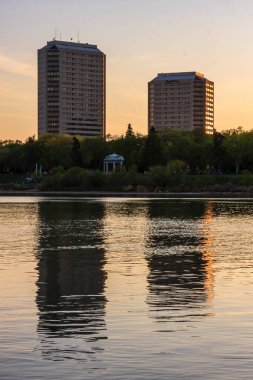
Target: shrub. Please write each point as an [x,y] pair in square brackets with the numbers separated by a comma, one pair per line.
[72,177]
[93,179]
[177,167]
[57,170]
[157,176]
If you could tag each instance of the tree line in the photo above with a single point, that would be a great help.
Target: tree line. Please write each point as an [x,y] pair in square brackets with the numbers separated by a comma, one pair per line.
[180,151]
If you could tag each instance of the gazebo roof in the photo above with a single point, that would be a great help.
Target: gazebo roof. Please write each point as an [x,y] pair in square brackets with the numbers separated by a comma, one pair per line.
[114,158]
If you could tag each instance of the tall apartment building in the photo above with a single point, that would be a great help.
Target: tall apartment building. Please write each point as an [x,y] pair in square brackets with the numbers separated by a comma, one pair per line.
[71,89]
[181,101]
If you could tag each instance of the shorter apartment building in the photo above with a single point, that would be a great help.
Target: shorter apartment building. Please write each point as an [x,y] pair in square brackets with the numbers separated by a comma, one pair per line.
[181,101]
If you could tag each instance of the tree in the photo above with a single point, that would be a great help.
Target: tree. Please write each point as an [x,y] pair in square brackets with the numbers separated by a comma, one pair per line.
[218,151]
[77,159]
[57,151]
[198,135]
[32,153]
[94,151]
[237,145]
[12,158]
[130,131]
[194,148]
[152,152]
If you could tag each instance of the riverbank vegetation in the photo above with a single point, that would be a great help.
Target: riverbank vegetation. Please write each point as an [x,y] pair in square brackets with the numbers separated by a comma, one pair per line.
[165,161]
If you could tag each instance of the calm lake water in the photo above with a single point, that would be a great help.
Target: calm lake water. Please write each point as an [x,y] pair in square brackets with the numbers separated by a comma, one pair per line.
[126,289]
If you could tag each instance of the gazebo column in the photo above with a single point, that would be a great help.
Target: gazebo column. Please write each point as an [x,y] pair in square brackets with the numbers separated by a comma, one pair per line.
[113,163]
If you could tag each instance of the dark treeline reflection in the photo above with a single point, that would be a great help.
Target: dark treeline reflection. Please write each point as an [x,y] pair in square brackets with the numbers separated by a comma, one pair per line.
[232,208]
[71,278]
[180,279]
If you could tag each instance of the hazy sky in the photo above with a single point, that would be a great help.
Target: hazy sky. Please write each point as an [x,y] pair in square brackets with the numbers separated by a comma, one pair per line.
[140,39]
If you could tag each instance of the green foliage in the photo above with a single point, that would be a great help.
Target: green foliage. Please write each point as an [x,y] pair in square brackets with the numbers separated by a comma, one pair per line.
[94,151]
[152,150]
[77,159]
[165,159]
[238,145]
[58,170]
[73,177]
[177,167]
[158,176]
[130,148]
[130,131]
[93,180]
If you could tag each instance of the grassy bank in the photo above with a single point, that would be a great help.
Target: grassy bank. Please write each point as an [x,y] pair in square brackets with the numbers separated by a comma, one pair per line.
[157,179]
[17,182]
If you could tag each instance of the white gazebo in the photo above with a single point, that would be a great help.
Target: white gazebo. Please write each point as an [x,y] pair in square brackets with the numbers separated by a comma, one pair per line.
[113,163]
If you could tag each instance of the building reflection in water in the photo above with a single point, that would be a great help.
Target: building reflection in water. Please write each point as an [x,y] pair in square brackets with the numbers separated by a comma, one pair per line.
[71,278]
[207,248]
[125,229]
[180,260]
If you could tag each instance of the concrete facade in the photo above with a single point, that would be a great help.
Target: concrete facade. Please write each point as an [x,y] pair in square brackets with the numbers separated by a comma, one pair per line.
[181,101]
[71,89]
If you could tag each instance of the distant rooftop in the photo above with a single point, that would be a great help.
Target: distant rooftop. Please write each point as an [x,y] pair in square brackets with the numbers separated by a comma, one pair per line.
[72,45]
[179,76]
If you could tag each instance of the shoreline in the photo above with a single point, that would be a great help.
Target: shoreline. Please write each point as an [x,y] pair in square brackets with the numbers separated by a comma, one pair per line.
[122,194]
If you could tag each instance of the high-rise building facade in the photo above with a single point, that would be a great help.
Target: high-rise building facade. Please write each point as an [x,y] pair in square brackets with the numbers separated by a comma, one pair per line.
[71,89]
[182,101]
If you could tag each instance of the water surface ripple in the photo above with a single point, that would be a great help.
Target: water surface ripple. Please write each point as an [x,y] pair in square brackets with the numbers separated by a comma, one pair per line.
[126,288]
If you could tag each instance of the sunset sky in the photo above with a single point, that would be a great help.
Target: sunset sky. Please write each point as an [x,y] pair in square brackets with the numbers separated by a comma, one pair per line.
[140,38]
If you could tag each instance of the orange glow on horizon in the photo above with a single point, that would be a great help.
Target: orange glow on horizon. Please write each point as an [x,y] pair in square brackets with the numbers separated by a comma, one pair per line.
[135,52]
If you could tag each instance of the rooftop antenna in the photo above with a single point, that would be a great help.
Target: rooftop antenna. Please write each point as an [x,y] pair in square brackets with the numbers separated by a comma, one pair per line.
[78,34]
[56,31]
